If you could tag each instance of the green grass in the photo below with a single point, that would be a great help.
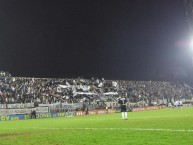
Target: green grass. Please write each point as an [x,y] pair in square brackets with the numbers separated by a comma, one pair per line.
[160,127]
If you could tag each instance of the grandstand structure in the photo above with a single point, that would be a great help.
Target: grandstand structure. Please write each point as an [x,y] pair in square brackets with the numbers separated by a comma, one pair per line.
[18,95]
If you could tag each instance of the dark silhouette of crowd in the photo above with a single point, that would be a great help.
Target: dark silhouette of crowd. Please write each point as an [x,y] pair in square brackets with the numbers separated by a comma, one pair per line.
[57,90]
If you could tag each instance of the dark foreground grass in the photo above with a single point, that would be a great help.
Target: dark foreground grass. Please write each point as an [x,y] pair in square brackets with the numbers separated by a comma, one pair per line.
[162,127]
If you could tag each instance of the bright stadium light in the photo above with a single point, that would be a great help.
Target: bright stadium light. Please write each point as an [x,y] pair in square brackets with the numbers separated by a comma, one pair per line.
[191,43]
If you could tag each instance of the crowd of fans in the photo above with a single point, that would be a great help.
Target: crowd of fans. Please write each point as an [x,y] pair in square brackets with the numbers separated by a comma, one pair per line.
[51,90]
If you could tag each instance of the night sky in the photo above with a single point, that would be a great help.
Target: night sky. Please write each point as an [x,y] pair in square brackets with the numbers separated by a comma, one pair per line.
[127,39]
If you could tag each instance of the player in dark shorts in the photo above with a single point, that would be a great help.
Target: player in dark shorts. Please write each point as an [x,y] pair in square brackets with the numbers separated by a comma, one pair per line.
[122,101]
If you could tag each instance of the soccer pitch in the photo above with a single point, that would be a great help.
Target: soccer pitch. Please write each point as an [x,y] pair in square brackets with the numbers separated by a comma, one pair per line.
[159,127]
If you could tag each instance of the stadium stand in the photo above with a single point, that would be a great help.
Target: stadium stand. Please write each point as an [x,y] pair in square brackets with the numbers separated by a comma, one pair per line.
[80,90]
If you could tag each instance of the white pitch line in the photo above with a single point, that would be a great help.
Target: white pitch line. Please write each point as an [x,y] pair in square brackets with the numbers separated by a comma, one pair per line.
[110,129]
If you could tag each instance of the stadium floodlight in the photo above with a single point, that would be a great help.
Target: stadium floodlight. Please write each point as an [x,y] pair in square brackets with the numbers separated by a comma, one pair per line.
[191,43]
[189,19]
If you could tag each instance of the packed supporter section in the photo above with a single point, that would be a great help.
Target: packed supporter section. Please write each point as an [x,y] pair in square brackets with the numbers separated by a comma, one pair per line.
[86,91]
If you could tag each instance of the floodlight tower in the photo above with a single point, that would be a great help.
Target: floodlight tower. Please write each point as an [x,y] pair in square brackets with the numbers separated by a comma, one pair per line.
[189,18]
[189,13]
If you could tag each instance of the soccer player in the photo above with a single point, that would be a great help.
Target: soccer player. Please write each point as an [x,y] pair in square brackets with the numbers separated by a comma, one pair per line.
[122,101]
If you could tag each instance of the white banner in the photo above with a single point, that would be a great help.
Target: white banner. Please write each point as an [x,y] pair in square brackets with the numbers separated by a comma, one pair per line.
[42,109]
[18,106]
[76,87]
[14,111]
[83,93]
[110,93]
[23,111]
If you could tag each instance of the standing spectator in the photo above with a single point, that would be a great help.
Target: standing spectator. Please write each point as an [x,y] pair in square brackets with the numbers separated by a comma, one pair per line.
[33,114]
[86,111]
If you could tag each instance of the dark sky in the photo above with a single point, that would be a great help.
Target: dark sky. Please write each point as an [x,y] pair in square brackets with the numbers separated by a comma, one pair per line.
[127,39]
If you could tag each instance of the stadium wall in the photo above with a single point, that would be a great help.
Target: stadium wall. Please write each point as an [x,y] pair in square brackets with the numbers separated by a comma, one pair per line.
[13,117]
[146,108]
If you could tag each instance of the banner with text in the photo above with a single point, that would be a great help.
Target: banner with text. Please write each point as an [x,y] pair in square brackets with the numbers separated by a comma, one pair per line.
[146,108]
[38,116]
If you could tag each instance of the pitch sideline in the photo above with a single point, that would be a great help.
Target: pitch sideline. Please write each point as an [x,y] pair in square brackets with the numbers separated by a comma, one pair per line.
[110,129]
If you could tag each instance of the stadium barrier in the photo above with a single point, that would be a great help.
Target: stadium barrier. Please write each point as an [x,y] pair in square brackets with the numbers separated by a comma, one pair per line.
[12,117]
[187,105]
[146,108]
[94,112]
[24,111]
